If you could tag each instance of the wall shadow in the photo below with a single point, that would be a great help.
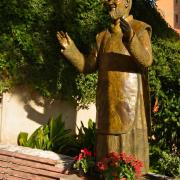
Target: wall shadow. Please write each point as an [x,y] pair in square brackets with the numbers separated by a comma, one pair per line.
[40,109]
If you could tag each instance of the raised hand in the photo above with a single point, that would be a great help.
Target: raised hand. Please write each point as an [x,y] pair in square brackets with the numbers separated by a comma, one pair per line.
[64,40]
[126,29]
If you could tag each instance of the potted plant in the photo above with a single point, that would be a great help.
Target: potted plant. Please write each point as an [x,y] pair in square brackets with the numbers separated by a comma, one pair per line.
[120,167]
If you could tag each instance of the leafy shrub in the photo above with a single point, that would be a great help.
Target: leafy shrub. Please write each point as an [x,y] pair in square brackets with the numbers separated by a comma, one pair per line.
[86,136]
[39,139]
[51,136]
[165,84]
[163,162]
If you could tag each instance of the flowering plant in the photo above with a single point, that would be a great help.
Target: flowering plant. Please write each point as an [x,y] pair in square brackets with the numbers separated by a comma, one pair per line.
[120,167]
[84,161]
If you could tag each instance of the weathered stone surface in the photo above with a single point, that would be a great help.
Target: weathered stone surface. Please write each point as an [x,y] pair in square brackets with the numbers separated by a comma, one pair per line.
[25,163]
[61,161]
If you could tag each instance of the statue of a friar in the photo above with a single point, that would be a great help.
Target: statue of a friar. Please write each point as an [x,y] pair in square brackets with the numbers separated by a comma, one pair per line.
[122,55]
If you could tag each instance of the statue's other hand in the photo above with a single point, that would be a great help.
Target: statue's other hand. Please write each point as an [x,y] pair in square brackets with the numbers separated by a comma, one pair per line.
[64,40]
[126,29]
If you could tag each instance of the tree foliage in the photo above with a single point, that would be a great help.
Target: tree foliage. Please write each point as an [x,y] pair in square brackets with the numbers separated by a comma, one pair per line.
[29,51]
[165,87]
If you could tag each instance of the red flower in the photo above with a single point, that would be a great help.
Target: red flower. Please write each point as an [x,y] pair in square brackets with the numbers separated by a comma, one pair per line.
[112,162]
[101,166]
[123,156]
[129,159]
[78,158]
[114,155]
[137,165]
[86,152]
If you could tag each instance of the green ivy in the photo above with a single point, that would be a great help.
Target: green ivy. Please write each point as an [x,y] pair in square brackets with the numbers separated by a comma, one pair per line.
[29,51]
[165,86]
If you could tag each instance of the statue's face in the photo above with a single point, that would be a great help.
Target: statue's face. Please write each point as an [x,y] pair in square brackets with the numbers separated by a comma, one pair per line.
[117,8]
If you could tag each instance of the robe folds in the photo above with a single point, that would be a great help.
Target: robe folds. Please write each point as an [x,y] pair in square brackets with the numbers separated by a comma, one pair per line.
[123,113]
[122,99]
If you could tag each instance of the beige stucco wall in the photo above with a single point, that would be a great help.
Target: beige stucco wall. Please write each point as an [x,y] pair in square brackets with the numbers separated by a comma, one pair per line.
[166,8]
[25,110]
[169,9]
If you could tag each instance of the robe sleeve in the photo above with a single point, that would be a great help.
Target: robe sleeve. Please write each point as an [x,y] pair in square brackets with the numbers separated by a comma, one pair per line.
[83,63]
[140,47]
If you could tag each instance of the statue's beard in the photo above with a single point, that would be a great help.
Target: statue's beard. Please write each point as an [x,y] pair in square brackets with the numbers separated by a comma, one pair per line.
[116,13]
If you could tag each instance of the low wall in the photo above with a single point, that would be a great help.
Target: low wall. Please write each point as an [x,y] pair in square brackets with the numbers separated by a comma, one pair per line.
[24,110]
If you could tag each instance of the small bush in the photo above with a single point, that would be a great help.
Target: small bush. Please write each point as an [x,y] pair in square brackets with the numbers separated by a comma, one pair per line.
[86,136]
[163,162]
[51,136]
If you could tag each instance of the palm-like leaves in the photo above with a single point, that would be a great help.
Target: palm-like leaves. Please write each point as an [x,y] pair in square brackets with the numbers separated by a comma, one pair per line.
[86,136]
[51,136]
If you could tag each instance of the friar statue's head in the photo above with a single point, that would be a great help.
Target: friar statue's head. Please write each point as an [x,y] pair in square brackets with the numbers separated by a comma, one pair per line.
[118,8]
